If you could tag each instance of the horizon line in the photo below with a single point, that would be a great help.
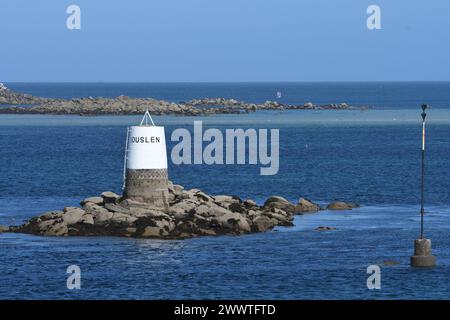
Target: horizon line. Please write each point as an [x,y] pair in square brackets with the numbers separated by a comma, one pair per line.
[230,82]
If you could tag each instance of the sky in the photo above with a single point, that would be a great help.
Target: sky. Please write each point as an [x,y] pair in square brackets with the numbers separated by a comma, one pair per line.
[224,41]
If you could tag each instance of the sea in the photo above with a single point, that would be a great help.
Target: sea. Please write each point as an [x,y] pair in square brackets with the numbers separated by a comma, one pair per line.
[370,155]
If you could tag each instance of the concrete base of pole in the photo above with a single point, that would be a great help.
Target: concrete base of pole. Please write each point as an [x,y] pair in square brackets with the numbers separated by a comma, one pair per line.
[422,254]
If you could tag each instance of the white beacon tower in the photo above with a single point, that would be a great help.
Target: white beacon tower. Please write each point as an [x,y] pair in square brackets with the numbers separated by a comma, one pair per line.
[145,169]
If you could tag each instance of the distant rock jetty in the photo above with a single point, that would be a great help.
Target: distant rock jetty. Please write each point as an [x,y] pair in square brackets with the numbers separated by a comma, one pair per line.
[19,103]
[8,97]
[191,213]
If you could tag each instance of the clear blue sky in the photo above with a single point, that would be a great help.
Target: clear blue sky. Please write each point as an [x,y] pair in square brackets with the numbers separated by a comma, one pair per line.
[224,40]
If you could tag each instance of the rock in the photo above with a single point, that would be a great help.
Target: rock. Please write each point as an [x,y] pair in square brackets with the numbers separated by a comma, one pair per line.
[51,215]
[191,193]
[95,200]
[275,199]
[390,262]
[58,229]
[279,203]
[123,219]
[340,205]
[233,220]
[322,228]
[201,196]
[215,210]
[185,205]
[110,197]
[73,215]
[202,210]
[152,232]
[178,213]
[100,214]
[143,212]
[207,232]
[225,199]
[131,231]
[282,218]
[187,229]
[353,204]
[156,214]
[252,213]
[237,207]
[175,188]
[167,225]
[70,216]
[249,203]
[88,219]
[263,223]
[117,208]
[160,226]
[50,227]
[305,206]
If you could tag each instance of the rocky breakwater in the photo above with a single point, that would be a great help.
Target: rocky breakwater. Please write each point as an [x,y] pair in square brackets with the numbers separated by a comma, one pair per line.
[121,105]
[124,105]
[10,97]
[232,104]
[191,213]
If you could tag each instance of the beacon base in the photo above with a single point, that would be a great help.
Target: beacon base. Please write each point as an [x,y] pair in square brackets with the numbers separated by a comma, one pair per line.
[148,186]
[422,254]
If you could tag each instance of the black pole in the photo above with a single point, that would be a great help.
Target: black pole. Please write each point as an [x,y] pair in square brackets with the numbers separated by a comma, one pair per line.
[422,247]
[422,211]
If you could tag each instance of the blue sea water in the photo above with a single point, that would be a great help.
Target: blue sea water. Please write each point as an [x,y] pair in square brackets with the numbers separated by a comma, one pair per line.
[371,157]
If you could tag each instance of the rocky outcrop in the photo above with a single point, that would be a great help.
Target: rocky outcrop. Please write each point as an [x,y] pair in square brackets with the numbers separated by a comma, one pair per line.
[191,213]
[8,96]
[303,206]
[307,206]
[390,262]
[124,105]
[340,205]
[324,228]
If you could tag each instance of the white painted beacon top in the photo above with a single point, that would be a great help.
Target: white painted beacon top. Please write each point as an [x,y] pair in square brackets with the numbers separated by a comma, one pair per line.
[146,148]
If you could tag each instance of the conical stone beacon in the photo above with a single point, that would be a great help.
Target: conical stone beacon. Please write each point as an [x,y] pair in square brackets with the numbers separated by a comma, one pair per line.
[146,176]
